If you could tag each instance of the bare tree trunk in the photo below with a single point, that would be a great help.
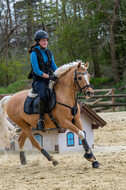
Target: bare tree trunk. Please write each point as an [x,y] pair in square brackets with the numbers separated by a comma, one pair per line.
[9,13]
[57,14]
[113,56]
[15,18]
[43,19]
[29,22]
[97,72]
[64,16]
[7,76]
[75,9]
[36,11]
[7,46]
[112,43]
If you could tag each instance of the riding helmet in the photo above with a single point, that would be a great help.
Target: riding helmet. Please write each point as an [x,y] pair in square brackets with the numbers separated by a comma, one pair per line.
[40,34]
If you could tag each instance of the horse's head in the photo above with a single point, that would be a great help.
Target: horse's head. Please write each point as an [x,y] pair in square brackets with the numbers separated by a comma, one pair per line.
[82,80]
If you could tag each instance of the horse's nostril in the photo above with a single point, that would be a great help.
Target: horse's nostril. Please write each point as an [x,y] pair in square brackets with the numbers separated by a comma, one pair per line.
[88,93]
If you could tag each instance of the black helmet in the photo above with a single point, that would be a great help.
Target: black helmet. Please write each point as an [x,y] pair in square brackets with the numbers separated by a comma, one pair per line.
[40,34]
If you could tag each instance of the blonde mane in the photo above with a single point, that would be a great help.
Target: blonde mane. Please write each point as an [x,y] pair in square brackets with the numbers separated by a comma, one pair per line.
[64,68]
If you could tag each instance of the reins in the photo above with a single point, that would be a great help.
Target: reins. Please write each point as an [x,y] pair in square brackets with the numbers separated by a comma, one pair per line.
[67,86]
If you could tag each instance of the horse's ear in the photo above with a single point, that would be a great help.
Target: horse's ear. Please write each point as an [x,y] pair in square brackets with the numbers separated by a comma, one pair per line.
[79,65]
[86,65]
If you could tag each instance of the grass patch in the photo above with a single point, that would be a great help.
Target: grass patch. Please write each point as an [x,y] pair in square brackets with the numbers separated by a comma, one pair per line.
[98,83]
[15,87]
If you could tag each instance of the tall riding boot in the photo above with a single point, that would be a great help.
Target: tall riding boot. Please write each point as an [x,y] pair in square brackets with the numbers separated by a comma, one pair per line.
[41,122]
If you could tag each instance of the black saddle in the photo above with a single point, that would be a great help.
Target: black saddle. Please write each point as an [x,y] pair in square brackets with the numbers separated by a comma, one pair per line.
[31,103]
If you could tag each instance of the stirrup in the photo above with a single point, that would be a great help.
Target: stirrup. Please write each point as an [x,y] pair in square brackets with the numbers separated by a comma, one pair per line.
[40,124]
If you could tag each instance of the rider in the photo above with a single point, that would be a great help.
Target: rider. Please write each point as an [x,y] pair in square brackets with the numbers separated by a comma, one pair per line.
[43,66]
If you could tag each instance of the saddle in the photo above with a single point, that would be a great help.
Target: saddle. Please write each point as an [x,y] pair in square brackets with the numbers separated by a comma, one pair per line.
[31,102]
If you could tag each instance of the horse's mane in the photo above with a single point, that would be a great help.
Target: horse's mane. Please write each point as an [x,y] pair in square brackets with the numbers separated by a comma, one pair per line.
[64,68]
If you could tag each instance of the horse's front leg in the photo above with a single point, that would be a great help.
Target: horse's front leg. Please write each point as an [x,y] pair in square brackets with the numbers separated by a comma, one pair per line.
[78,129]
[88,152]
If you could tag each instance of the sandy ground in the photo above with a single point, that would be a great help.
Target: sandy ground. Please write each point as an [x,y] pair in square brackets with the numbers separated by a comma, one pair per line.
[73,171]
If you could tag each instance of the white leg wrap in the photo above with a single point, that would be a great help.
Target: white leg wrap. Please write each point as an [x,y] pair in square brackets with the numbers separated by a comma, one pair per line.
[81,135]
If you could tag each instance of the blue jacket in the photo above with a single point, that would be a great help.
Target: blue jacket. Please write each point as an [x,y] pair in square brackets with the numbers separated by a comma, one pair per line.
[35,65]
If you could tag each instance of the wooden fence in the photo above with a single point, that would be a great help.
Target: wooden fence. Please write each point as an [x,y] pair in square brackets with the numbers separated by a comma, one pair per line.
[97,101]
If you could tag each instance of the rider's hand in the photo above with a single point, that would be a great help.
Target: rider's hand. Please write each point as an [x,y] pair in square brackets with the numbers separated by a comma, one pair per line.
[53,77]
[45,75]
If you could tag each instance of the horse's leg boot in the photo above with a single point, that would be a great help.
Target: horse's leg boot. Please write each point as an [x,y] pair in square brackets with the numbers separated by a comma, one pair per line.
[41,122]
[88,155]
[22,157]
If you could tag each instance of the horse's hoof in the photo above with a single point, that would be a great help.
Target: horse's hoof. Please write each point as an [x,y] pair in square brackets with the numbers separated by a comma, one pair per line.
[95,164]
[23,163]
[55,163]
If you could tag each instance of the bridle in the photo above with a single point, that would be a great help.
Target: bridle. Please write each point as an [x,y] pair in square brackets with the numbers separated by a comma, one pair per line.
[76,82]
[74,109]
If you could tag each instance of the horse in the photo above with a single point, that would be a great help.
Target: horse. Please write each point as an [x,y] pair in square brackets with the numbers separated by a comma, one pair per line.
[72,78]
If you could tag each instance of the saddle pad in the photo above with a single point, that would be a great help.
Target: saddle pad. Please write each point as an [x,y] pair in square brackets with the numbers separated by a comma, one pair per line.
[31,104]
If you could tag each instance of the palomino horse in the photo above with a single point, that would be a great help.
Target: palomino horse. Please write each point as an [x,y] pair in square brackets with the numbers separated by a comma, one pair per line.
[72,78]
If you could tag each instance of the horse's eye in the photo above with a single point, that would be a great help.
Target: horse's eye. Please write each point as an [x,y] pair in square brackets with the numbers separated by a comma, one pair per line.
[79,78]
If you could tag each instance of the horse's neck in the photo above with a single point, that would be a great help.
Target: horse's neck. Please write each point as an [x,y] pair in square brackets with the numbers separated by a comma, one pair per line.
[65,88]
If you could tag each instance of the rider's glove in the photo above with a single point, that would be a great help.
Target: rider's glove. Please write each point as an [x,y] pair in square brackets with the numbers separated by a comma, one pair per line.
[53,77]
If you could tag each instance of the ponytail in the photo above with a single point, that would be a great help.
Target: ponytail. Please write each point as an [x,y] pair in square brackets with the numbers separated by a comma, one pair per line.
[30,50]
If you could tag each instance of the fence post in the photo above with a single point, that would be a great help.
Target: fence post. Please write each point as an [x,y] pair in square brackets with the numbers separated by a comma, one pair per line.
[113,99]
[125,102]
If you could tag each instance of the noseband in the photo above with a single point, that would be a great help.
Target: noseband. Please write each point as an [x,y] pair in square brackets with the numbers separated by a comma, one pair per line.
[76,82]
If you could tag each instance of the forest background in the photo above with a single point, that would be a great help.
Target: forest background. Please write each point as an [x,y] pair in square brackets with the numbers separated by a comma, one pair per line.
[87,30]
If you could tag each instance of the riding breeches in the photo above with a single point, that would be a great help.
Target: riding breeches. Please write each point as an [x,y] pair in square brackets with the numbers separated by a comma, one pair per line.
[40,88]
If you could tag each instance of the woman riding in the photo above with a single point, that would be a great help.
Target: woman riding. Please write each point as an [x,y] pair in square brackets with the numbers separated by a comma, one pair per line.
[43,66]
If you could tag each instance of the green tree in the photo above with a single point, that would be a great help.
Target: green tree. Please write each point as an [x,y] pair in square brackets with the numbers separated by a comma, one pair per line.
[86,30]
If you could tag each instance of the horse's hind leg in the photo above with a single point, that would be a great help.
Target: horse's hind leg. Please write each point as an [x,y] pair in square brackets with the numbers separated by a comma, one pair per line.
[36,144]
[21,142]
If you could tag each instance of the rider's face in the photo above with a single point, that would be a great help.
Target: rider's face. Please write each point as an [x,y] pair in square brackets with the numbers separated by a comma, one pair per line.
[43,43]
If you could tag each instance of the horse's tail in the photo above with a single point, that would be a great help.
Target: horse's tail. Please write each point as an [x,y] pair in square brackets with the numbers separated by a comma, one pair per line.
[7,130]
